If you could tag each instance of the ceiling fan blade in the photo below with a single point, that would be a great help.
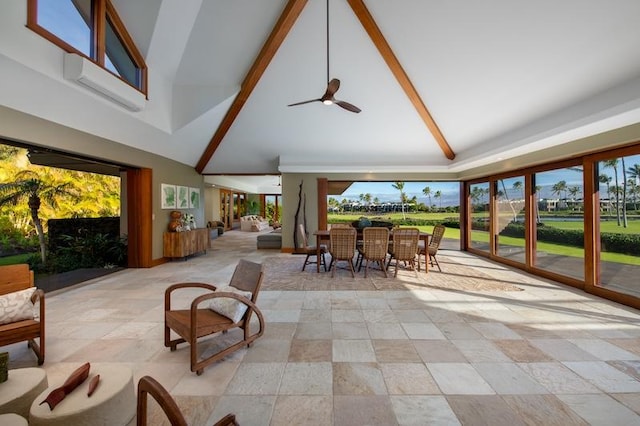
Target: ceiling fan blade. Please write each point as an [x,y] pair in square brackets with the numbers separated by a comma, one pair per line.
[305,102]
[332,88]
[347,106]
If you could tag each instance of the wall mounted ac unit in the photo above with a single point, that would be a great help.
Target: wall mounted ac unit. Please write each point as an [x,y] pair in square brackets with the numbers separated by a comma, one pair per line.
[84,72]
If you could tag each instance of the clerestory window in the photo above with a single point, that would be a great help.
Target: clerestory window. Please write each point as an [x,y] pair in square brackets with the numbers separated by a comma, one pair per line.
[93,29]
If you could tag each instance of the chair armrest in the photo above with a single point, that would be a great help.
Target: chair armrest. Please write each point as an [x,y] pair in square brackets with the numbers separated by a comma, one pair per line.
[251,307]
[200,299]
[173,287]
[38,295]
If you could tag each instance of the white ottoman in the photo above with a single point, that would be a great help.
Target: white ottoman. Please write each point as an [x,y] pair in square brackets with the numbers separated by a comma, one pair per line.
[113,402]
[20,389]
[12,419]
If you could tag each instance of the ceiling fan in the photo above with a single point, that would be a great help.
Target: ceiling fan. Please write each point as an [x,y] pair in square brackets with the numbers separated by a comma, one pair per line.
[332,85]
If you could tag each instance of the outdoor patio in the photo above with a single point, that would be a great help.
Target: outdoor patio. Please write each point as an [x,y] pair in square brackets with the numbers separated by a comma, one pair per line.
[478,343]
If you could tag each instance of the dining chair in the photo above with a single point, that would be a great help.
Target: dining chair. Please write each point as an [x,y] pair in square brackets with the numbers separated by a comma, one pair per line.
[375,245]
[342,247]
[311,251]
[405,247]
[431,250]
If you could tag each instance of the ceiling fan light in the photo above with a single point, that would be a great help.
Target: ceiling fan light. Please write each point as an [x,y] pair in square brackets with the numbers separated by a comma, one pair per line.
[327,102]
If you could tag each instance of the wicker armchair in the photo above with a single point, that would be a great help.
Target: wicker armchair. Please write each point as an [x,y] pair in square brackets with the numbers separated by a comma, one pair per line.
[405,247]
[375,244]
[342,247]
[432,249]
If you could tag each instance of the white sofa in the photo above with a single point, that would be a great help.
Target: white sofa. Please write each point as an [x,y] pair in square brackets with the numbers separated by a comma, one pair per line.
[253,223]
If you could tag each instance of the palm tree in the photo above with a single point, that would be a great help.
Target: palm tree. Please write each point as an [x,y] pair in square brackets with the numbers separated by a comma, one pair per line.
[427,191]
[438,195]
[613,163]
[560,188]
[633,173]
[606,179]
[400,187]
[624,194]
[574,191]
[517,186]
[29,185]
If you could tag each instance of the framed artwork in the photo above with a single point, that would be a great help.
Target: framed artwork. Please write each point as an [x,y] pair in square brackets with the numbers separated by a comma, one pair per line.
[183,197]
[168,196]
[194,198]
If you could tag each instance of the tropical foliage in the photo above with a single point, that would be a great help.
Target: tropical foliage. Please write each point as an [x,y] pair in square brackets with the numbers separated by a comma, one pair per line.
[30,195]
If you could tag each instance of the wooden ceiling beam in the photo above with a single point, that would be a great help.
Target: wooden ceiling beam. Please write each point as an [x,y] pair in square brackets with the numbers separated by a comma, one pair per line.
[287,18]
[392,61]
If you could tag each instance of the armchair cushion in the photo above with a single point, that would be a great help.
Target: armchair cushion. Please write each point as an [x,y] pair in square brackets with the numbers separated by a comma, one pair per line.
[231,308]
[17,306]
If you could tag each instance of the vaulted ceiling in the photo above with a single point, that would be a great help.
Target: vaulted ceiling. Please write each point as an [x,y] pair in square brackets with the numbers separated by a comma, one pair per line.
[444,85]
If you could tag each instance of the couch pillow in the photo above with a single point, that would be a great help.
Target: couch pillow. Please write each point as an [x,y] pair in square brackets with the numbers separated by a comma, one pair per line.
[16,306]
[230,308]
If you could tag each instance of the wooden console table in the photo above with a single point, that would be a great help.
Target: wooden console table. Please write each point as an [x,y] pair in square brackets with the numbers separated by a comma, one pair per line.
[186,243]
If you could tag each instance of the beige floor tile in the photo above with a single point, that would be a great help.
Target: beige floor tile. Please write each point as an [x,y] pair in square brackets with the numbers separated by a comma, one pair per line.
[310,350]
[307,378]
[484,410]
[395,351]
[353,351]
[459,379]
[352,410]
[545,410]
[358,378]
[522,351]
[600,409]
[419,410]
[296,410]
[408,379]
[438,351]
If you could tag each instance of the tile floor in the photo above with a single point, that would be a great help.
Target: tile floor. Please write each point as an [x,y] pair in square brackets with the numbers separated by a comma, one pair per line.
[547,355]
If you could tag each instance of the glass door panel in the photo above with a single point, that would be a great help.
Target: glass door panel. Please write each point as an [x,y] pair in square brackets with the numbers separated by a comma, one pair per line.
[619,221]
[560,228]
[510,228]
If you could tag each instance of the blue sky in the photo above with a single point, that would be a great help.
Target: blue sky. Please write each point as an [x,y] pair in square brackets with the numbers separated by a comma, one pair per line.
[450,190]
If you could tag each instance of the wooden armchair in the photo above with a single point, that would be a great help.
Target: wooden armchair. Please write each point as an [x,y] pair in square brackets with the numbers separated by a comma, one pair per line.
[147,385]
[14,278]
[200,321]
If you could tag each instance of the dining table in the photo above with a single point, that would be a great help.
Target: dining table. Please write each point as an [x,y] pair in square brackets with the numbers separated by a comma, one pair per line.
[322,236]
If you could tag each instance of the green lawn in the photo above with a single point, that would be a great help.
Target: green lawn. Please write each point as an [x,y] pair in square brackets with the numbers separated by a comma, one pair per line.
[14,260]
[605,226]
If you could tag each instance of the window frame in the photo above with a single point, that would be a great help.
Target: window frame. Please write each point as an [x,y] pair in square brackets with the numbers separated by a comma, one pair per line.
[102,11]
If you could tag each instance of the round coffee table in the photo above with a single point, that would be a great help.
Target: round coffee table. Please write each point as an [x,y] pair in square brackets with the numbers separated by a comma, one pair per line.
[12,419]
[112,403]
[21,389]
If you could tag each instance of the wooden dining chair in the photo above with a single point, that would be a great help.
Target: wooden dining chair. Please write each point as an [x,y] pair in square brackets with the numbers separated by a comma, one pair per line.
[342,247]
[375,245]
[311,251]
[405,247]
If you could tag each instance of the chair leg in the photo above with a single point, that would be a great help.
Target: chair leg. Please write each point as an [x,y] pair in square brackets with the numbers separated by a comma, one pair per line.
[324,262]
[353,272]
[382,266]
[306,262]
[434,259]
